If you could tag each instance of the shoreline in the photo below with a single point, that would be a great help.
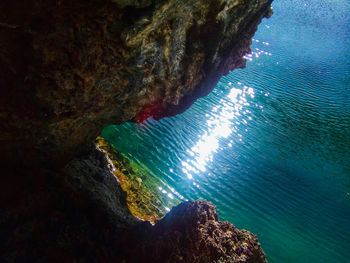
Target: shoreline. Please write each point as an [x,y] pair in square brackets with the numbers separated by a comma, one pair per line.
[144,200]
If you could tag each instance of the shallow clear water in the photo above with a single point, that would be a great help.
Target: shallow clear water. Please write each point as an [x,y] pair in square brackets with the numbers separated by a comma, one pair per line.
[270,146]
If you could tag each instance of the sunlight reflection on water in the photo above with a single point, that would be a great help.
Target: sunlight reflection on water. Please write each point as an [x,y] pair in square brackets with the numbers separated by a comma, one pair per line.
[221,123]
[268,145]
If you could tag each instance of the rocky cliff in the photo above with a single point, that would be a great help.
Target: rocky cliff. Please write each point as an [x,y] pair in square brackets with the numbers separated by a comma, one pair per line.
[84,218]
[69,68]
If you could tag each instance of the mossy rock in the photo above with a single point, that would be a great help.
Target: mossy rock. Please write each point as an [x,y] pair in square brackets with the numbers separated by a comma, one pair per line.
[143,197]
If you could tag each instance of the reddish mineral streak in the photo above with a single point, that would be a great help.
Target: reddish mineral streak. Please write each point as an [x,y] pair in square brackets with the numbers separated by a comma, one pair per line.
[148,111]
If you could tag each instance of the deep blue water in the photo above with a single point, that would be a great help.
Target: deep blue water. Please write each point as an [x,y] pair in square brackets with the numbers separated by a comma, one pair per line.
[270,146]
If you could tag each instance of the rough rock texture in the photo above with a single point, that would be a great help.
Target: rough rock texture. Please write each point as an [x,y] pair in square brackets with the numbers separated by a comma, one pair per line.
[85,219]
[93,177]
[143,197]
[46,219]
[69,68]
[192,233]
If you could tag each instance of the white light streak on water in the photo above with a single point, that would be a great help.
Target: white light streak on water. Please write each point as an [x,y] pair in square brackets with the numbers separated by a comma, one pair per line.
[220,125]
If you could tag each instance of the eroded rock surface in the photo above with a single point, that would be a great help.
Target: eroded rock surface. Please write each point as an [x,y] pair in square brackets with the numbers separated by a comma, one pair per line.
[69,68]
[191,232]
[143,197]
[85,219]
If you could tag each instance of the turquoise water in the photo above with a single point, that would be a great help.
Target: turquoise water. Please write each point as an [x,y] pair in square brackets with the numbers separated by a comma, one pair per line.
[270,146]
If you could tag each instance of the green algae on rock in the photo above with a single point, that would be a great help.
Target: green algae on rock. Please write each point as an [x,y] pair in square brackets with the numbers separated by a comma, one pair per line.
[143,198]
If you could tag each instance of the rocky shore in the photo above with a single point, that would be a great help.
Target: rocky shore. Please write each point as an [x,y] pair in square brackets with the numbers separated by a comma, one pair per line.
[69,68]
[190,232]
[143,199]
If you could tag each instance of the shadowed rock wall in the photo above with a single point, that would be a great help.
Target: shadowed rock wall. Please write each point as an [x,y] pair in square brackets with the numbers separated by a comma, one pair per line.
[69,68]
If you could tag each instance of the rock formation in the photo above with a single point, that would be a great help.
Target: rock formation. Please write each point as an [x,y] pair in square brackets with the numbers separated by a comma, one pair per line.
[143,199]
[69,68]
[191,232]
[85,219]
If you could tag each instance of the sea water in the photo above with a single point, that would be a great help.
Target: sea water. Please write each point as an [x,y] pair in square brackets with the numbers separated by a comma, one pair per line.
[270,146]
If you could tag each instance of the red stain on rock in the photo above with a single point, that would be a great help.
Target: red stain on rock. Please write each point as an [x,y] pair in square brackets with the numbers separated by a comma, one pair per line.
[151,110]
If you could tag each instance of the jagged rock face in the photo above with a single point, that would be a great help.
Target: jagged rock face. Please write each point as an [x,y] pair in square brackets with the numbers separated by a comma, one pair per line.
[69,68]
[189,233]
[92,177]
[192,233]
[84,218]
[77,215]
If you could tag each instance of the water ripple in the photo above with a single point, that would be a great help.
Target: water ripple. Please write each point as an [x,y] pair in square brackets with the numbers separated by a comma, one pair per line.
[270,146]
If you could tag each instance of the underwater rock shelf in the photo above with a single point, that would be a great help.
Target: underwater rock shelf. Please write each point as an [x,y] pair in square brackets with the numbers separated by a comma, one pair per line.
[68,69]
